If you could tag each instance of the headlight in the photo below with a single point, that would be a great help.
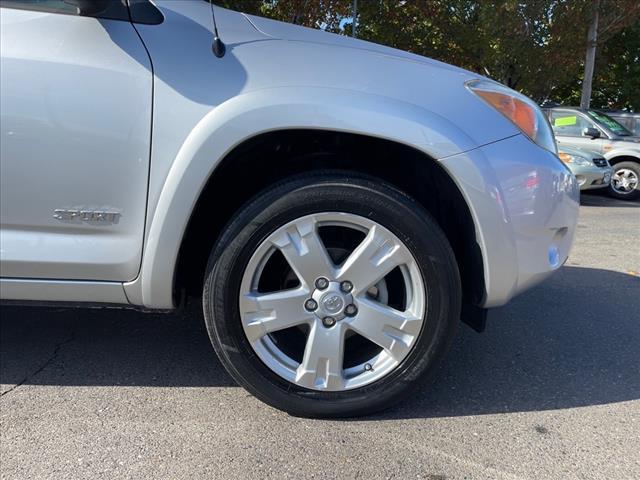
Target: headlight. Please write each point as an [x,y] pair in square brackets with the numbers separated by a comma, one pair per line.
[522,111]
[575,159]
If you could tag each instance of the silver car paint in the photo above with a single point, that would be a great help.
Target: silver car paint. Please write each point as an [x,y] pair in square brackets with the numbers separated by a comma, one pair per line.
[586,175]
[62,291]
[522,203]
[278,76]
[289,81]
[75,125]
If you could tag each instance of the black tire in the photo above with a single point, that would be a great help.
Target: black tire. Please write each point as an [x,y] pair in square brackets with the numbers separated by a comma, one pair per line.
[632,195]
[301,196]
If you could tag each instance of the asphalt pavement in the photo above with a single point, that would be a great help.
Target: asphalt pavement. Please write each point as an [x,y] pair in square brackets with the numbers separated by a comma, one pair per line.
[550,391]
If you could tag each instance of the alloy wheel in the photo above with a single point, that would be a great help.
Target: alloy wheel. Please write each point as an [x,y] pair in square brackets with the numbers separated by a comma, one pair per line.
[332,301]
[624,181]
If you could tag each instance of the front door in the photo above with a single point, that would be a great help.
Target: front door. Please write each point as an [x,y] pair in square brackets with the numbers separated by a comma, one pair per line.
[75,106]
[568,128]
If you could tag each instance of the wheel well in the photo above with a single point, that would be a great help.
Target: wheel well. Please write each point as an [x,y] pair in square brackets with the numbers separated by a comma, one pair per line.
[270,157]
[624,158]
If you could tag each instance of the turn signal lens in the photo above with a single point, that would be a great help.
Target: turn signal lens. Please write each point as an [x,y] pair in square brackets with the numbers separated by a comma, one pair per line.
[514,109]
[521,110]
[565,157]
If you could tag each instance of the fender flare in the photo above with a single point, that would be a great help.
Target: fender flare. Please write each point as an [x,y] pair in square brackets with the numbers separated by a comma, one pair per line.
[254,113]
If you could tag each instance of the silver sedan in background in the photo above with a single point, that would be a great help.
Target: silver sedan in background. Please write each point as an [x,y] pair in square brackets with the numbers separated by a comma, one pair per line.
[592,171]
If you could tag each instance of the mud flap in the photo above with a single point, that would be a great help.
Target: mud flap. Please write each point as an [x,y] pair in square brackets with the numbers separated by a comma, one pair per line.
[474,316]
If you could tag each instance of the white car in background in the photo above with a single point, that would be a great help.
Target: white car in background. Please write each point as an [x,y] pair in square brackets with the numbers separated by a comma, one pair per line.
[338,206]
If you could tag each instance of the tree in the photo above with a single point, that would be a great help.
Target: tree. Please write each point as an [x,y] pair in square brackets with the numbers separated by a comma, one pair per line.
[325,14]
[590,60]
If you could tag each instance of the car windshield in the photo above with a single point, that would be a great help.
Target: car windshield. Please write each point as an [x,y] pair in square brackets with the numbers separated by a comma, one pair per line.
[609,123]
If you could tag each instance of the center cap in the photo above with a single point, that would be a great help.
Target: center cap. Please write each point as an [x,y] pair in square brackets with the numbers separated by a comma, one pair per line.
[331,301]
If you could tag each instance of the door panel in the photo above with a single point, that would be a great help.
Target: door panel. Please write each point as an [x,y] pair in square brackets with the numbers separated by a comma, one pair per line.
[75,112]
[568,126]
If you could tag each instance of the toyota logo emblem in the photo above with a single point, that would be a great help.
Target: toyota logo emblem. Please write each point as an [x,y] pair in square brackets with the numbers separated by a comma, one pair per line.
[333,303]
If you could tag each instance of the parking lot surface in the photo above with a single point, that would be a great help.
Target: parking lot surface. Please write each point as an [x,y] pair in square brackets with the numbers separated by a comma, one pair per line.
[551,390]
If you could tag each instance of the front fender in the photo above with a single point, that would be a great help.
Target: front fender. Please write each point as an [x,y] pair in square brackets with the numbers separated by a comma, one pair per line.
[261,111]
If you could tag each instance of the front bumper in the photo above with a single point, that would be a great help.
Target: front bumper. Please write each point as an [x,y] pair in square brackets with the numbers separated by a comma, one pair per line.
[592,177]
[525,206]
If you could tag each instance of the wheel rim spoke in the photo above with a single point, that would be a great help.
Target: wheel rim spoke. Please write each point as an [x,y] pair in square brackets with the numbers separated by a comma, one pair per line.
[304,251]
[372,260]
[391,329]
[321,366]
[266,313]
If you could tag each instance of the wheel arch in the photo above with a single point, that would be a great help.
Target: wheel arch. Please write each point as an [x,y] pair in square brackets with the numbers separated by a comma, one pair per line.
[302,151]
[619,158]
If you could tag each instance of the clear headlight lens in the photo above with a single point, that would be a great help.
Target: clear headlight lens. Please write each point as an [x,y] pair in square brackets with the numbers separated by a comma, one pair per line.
[521,110]
[575,159]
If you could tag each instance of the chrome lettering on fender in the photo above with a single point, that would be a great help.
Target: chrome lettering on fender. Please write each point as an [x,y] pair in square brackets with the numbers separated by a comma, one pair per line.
[90,216]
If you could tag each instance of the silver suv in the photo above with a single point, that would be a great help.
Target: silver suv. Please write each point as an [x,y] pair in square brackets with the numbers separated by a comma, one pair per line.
[597,132]
[337,206]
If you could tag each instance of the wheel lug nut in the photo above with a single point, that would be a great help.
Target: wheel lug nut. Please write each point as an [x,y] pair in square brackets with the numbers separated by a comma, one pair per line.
[311,304]
[328,321]
[322,283]
[346,286]
[350,310]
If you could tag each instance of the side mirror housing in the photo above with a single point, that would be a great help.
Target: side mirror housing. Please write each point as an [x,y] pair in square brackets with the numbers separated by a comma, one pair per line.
[89,7]
[591,132]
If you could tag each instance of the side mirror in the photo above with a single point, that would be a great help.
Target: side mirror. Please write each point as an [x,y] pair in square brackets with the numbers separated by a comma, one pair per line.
[89,7]
[591,132]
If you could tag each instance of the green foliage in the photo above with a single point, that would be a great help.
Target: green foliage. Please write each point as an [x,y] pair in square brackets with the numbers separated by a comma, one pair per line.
[617,80]
[535,46]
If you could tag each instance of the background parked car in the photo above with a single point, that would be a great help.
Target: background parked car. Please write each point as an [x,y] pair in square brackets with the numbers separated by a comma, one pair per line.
[591,169]
[595,131]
